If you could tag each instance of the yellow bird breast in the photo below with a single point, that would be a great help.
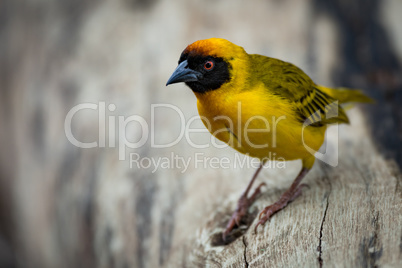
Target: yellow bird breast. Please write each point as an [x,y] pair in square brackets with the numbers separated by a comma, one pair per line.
[258,124]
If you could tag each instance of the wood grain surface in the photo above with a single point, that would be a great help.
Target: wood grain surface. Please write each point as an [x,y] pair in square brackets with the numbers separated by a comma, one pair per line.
[64,206]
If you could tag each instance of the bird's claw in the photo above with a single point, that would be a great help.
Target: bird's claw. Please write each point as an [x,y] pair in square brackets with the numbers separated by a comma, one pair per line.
[268,211]
[264,216]
[237,220]
[234,221]
[243,204]
[260,222]
[264,211]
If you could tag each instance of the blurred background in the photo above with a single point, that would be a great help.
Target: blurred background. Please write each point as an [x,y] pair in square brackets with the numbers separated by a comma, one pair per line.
[64,206]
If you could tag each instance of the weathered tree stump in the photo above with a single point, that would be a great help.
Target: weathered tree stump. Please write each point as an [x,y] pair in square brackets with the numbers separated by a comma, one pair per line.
[64,206]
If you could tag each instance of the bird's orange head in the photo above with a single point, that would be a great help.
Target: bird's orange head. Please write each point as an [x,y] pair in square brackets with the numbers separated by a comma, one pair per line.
[208,64]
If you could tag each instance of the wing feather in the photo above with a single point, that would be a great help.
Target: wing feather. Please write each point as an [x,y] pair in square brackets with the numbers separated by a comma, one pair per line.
[286,80]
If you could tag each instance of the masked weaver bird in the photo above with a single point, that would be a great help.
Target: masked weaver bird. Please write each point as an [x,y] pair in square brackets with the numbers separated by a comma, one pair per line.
[238,92]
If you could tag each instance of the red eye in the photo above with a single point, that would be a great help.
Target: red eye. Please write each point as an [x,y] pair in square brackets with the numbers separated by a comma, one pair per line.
[209,65]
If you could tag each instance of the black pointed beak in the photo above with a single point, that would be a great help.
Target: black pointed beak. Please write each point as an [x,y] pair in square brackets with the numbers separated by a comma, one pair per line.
[184,74]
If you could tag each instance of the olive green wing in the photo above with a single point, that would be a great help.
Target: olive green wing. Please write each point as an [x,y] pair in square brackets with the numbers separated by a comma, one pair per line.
[286,80]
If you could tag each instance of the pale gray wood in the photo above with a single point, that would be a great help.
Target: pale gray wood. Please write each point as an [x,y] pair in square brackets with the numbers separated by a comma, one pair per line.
[62,206]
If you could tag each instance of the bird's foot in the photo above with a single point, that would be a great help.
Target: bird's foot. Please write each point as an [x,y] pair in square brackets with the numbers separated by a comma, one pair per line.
[285,199]
[242,207]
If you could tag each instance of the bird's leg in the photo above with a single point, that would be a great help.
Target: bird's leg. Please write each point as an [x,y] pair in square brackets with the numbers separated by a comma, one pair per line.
[244,203]
[292,193]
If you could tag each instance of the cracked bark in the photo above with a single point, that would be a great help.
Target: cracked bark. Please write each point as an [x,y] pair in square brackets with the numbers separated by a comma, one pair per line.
[320,260]
[245,251]
[327,194]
